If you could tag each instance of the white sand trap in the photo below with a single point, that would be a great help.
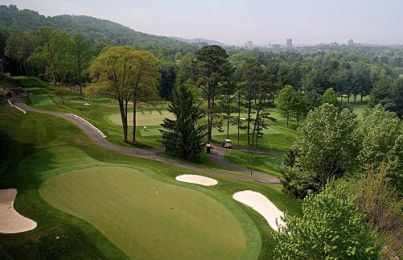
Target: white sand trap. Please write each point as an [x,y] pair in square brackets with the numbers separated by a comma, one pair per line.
[263,206]
[10,220]
[14,106]
[197,179]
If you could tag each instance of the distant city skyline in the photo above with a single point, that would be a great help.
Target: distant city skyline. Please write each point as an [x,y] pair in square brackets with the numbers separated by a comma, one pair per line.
[236,22]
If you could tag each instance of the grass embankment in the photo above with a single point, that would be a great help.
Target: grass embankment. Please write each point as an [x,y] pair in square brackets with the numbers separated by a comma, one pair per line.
[268,163]
[37,147]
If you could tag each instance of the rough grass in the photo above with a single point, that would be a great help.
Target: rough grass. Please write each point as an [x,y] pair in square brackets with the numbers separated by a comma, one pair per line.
[147,218]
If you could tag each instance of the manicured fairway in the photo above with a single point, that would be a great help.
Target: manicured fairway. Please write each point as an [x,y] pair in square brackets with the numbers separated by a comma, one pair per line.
[147,218]
[147,118]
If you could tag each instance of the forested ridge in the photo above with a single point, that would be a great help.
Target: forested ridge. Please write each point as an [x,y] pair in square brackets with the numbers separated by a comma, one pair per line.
[98,30]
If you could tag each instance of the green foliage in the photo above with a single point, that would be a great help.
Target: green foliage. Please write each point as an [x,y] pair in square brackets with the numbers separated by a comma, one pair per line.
[81,50]
[375,196]
[381,137]
[53,53]
[114,73]
[292,103]
[167,82]
[382,92]
[330,228]
[326,149]
[19,46]
[285,101]
[212,69]
[184,137]
[330,97]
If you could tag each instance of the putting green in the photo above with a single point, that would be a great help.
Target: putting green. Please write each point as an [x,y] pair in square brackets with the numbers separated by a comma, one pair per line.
[147,118]
[147,218]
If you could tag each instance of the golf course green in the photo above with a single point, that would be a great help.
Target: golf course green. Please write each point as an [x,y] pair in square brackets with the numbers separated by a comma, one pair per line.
[147,218]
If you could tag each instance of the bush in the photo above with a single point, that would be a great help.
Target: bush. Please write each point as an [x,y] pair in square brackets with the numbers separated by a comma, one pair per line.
[375,197]
[330,228]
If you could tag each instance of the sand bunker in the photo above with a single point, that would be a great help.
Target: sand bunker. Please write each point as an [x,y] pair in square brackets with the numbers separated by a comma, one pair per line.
[10,220]
[14,106]
[197,179]
[263,206]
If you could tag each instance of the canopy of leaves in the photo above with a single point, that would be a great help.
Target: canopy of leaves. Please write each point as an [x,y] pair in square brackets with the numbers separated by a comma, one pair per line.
[330,228]
[375,196]
[381,138]
[326,149]
[330,97]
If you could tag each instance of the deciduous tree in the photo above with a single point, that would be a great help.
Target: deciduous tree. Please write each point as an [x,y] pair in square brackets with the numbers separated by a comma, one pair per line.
[330,228]
[285,102]
[326,149]
[381,138]
[114,73]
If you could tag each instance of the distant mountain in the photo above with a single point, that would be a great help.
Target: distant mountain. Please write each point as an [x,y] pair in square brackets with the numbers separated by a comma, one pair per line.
[96,29]
[199,41]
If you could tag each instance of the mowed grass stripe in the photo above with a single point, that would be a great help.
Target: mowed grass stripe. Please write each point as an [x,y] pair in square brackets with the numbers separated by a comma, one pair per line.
[147,218]
[40,100]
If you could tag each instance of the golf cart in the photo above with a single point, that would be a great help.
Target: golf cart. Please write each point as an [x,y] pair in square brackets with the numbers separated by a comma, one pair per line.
[227,143]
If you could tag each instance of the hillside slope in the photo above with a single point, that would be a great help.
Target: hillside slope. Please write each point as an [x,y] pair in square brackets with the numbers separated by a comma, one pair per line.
[96,29]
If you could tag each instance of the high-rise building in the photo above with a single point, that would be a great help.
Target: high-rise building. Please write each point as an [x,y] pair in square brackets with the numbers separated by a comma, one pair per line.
[351,42]
[249,45]
[289,43]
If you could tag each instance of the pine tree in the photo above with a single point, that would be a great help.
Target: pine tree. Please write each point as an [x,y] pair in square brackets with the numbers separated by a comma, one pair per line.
[185,136]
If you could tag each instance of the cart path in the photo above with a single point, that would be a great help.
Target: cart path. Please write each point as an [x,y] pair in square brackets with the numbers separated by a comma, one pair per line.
[151,154]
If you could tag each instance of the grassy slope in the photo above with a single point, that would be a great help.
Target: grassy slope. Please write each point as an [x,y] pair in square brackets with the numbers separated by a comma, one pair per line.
[269,163]
[35,146]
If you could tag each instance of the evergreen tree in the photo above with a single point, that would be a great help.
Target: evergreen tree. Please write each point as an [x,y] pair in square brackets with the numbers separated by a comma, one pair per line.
[185,136]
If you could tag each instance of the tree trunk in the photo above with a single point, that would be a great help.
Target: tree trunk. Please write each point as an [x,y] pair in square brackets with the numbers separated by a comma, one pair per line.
[254,137]
[134,120]
[123,116]
[209,119]
[228,114]
[239,114]
[249,119]
[127,125]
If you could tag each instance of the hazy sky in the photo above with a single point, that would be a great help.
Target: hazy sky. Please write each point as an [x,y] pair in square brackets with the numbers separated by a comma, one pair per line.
[236,21]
